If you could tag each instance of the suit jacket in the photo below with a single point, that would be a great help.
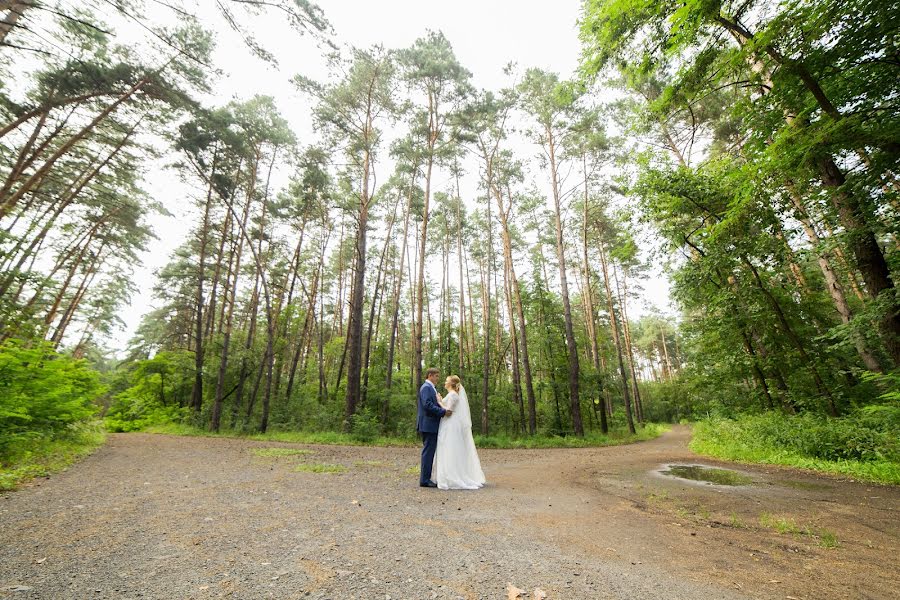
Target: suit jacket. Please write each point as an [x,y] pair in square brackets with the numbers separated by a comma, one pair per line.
[428,419]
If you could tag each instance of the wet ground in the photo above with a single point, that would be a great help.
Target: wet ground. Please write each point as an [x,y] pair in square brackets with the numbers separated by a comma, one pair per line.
[710,475]
[169,517]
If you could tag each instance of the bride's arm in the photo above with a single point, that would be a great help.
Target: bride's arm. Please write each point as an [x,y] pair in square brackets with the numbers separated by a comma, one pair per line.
[451,400]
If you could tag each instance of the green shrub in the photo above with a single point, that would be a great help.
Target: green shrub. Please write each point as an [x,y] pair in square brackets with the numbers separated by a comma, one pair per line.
[864,444]
[153,397]
[133,411]
[42,393]
[364,426]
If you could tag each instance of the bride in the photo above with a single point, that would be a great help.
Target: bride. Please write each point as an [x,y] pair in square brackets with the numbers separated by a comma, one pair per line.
[456,464]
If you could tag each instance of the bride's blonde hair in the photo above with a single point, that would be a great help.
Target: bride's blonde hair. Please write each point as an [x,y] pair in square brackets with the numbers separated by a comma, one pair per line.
[454,381]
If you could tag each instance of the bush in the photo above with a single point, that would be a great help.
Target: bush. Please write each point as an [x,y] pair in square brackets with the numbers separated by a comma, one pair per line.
[154,397]
[364,426]
[133,411]
[868,436]
[42,393]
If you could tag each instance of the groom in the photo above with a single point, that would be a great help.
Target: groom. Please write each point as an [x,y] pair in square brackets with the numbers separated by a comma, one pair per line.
[428,421]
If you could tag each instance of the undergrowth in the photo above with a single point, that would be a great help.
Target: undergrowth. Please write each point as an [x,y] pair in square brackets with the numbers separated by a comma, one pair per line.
[647,432]
[864,445]
[44,455]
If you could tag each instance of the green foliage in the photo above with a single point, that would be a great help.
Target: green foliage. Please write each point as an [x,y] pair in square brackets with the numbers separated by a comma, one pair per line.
[42,393]
[865,444]
[618,435]
[615,437]
[364,426]
[888,385]
[156,395]
[135,413]
[41,456]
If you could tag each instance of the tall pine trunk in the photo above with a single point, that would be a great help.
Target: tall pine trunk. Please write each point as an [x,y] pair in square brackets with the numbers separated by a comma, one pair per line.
[571,345]
[614,322]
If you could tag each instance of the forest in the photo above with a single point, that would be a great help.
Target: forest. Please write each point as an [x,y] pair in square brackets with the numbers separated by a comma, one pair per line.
[748,152]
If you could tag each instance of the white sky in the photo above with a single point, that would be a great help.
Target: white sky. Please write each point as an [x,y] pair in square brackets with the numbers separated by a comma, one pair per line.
[486,35]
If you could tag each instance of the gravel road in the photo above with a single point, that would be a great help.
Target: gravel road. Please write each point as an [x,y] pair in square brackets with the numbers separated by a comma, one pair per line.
[152,516]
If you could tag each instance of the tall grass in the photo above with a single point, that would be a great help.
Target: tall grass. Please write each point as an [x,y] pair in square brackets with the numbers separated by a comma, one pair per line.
[44,455]
[860,446]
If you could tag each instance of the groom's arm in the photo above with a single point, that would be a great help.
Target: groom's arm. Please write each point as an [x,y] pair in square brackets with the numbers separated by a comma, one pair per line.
[430,403]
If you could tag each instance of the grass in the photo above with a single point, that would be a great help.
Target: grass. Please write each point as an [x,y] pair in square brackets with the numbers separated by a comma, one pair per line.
[712,441]
[827,539]
[323,438]
[736,522]
[44,456]
[824,538]
[320,468]
[613,438]
[279,452]
[779,524]
[331,438]
[654,497]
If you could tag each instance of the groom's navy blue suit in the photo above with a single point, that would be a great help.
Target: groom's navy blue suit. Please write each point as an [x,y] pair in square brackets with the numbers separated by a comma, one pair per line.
[428,421]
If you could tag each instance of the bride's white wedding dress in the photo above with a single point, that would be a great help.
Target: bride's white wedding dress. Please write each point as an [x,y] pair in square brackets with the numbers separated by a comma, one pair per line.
[456,464]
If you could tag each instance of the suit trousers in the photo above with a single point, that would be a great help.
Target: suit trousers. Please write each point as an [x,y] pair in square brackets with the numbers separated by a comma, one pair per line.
[429,445]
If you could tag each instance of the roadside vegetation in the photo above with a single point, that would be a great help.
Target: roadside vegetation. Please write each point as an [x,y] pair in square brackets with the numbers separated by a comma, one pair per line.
[864,445]
[47,414]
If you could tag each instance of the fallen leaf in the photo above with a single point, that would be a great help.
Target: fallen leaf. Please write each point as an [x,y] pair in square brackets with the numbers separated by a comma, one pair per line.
[539,594]
[512,592]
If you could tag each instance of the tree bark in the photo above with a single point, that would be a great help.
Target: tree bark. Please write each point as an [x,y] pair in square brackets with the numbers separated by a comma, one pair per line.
[638,404]
[215,419]
[354,339]
[197,391]
[614,323]
[571,345]
[588,294]
[835,290]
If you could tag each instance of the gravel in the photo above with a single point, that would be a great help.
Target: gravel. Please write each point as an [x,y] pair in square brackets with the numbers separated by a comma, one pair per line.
[161,517]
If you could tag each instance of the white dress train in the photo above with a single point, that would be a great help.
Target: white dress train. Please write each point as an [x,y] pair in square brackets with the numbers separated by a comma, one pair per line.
[456,464]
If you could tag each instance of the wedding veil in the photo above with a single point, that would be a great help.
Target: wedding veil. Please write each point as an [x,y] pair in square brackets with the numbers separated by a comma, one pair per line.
[462,411]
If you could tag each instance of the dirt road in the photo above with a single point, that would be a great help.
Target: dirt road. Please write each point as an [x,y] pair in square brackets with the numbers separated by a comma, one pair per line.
[169,517]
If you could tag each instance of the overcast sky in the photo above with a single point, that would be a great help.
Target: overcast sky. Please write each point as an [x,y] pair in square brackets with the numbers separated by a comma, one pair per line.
[486,35]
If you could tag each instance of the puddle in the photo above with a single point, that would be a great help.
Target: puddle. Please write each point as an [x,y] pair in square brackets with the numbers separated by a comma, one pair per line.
[707,474]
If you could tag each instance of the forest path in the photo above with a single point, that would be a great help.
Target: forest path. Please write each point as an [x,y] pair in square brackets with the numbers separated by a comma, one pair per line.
[152,516]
